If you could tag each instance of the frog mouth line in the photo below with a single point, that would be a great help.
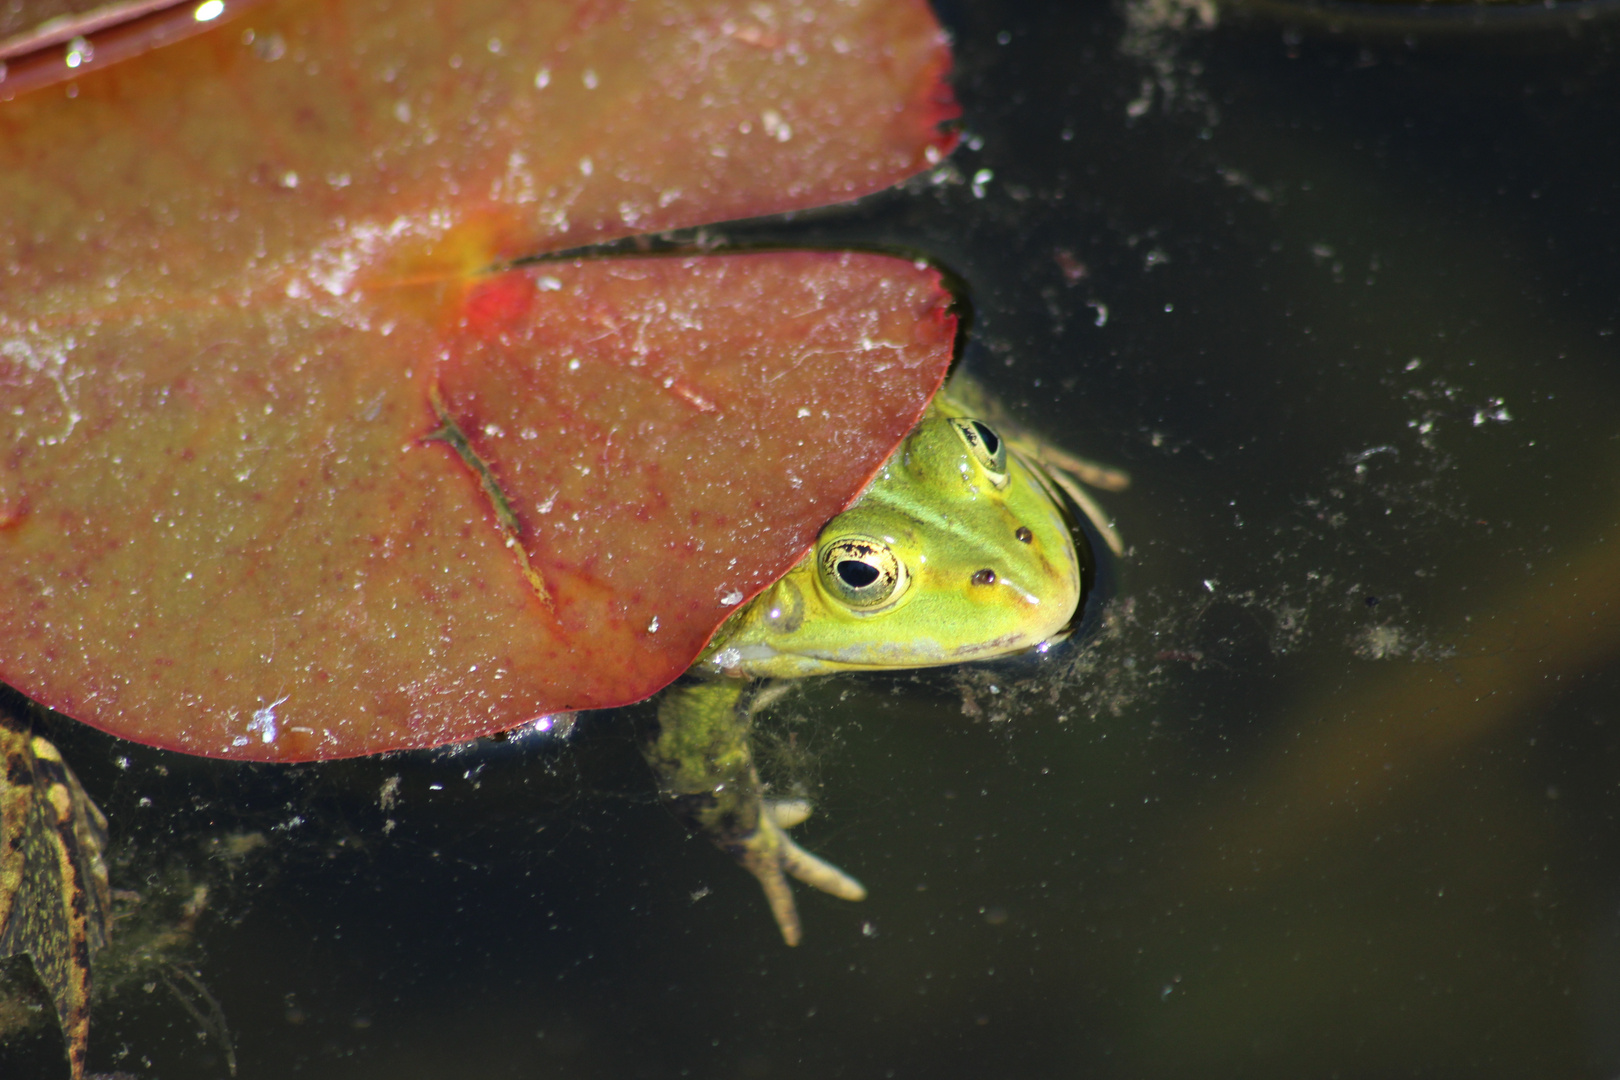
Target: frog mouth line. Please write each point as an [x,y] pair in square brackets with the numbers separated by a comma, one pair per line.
[869,657]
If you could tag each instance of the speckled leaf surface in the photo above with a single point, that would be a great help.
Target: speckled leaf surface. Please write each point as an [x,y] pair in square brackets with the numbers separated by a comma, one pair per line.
[52,42]
[234,273]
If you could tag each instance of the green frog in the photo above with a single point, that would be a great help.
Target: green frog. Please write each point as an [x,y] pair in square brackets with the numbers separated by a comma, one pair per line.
[959,550]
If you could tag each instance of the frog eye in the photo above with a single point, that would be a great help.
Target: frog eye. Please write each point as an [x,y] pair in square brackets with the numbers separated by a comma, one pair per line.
[985,447]
[862,572]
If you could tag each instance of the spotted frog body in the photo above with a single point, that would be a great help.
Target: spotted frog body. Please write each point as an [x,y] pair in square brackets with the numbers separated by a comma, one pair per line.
[960,549]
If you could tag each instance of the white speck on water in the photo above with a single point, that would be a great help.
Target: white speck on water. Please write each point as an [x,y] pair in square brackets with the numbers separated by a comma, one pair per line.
[402,111]
[1494,411]
[732,598]
[547,283]
[1382,642]
[585,166]
[803,412]
[1372,452]
[652,627]
[1138,107]
[208,10]
[78,52]
[589,79]
[981,181]
[542,78]
[573,365]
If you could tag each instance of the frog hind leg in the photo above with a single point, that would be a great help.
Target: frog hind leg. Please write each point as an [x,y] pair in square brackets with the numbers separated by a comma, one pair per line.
[702,756]
[54,896]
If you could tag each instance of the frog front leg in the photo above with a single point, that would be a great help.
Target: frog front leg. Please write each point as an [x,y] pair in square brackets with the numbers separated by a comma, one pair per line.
[702,755]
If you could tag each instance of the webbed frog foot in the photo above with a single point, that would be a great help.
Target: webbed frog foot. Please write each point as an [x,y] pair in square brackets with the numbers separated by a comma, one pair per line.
[770,854]
[702,756]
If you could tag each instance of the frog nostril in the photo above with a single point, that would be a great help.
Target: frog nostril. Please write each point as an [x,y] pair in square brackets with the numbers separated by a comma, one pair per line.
[1024,534]
[985,577]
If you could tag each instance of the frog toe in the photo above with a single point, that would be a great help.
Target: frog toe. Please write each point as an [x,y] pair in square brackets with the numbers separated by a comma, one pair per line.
[761,854]
[783,814]
[772,856]
[819,873]
[786,813]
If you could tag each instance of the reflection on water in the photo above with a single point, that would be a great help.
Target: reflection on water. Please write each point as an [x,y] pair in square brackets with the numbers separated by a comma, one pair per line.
[1333,790]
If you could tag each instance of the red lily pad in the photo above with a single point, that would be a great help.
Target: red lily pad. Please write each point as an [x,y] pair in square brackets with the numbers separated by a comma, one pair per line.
[46,42]
[240,272]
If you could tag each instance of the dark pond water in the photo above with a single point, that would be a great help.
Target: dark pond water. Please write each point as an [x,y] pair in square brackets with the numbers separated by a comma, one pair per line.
[1335,789]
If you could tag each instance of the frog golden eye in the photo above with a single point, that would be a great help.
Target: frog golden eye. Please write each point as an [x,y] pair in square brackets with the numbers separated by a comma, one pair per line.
[985,447]
[862,572]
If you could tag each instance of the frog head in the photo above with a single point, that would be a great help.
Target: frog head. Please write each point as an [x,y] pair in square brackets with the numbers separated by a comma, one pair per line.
[957,551]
